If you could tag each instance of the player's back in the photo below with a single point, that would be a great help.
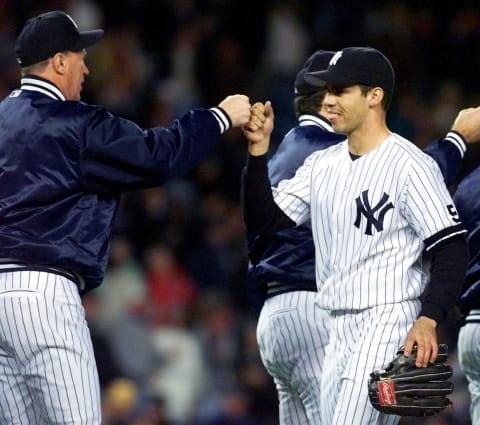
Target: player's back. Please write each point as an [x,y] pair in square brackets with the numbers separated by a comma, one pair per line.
[467,203]
[47,217]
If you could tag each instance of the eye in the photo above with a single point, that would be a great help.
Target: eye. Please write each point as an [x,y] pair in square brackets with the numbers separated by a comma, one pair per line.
[336,91]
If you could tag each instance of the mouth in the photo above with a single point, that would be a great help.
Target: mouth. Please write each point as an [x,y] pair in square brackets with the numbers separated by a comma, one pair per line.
[332,116]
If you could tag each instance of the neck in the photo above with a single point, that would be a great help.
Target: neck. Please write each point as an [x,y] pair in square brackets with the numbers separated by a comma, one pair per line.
[367,137]
[53,78]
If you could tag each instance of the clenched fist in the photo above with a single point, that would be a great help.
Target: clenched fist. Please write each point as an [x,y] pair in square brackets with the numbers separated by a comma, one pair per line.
[259,128]
[237,107]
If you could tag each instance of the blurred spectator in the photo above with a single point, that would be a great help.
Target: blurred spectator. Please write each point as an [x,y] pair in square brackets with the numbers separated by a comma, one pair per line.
[154,413]
[119,402]
[180,379]
[105,356]
[124,92]
[171,292]
[235,410]
[123,291]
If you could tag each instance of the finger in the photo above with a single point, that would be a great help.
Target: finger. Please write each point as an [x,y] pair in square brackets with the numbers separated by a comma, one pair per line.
[250,127]
[424,357]
[255,122]
[434,353]
[408,347]
[420,354]
[258,106]
[257,116]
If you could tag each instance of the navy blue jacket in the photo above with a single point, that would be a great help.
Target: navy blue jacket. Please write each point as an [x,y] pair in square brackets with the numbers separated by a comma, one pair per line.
[63,166]
[285,261]
[467,201]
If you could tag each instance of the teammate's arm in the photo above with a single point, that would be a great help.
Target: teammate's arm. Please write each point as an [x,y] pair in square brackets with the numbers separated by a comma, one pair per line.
[454,153]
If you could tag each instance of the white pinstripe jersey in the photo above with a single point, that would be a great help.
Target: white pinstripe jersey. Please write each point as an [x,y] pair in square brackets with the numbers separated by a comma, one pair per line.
[371,220]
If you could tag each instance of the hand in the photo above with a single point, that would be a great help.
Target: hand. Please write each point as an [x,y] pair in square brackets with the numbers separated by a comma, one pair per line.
[424,335]
[256,120]
[467,123]
[259,128]
[237,107]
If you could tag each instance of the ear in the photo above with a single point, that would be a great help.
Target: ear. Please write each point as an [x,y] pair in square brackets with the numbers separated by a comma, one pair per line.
[375,96]
[59,63]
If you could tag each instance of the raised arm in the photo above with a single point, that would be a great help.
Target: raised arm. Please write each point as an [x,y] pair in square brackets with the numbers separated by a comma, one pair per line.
[260,212]
[458,152]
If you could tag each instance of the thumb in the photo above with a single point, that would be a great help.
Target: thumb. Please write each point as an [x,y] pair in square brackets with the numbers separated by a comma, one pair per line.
[268,108]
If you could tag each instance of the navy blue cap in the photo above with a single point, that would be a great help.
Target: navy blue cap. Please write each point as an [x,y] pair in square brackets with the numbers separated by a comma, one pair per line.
[49,33]
[318,61]
[356,65]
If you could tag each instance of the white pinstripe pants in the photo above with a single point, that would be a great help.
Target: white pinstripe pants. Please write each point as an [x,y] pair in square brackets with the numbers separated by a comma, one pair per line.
[469,359]
[48,373]
[361,341]
[292,333]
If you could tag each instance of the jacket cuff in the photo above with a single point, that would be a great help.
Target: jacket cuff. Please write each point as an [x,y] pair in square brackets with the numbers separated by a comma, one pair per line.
[222,117]
[457,139]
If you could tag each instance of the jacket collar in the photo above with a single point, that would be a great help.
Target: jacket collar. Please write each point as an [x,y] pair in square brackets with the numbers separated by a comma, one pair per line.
[315,120]
[41,85]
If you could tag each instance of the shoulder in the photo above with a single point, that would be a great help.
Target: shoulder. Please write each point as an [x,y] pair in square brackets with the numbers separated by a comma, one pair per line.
[332,153]
[81,110]
[312,134]
[411,153]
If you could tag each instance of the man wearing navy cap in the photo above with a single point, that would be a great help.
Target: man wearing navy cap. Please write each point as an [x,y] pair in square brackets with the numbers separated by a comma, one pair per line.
[292,330]
[63,167]
[375,203]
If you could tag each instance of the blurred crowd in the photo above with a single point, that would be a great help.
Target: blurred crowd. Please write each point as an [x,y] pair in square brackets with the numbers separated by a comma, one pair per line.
[173,325]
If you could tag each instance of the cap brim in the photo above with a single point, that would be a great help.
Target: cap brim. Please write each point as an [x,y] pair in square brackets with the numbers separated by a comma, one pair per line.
[322,78]
[88,38]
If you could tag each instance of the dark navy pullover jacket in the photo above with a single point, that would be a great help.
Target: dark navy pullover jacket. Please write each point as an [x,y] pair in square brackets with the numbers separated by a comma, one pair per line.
[63,166]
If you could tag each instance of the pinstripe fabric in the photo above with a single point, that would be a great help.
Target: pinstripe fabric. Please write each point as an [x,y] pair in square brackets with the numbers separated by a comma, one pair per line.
[48,372]
[292,334]
[371,219]
[360,270]
[360,342]
[469,359]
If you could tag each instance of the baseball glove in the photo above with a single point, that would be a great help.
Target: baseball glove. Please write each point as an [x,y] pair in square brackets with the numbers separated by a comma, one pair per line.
[407,390]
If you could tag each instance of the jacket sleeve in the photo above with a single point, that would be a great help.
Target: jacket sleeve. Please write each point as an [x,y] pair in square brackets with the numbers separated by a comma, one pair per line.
[117,155]
[262,216]
[448,153]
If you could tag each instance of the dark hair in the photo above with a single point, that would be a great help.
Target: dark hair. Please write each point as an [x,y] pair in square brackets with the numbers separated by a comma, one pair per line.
[308,104]
[387,97]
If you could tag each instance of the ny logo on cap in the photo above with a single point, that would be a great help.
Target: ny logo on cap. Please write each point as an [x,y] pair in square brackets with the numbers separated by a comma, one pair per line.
[336,57]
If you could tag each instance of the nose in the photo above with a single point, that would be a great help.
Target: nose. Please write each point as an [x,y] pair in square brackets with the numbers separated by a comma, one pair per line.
[329,100]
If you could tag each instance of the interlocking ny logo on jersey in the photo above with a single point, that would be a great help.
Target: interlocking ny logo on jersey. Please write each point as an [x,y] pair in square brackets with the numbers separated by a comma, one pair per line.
[364,209]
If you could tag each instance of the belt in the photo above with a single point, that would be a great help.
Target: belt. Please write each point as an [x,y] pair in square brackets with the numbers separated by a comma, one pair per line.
[275,287]
[11,265]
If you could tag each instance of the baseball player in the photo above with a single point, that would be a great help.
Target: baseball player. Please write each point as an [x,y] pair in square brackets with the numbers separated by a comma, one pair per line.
[292,329]
[63,167]
[375,203]
[467,200]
